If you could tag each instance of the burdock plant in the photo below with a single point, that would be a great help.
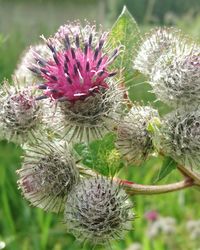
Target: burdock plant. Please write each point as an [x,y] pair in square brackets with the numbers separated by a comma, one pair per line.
[80,85]
[79,80]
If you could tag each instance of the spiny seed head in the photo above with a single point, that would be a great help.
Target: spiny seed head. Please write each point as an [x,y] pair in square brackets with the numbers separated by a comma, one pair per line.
[48,174]
[133,138]
[179,137]
[78,78]
[175,79]
[159,41]
[28,60]
[20,114]
[98,210]
[92,117]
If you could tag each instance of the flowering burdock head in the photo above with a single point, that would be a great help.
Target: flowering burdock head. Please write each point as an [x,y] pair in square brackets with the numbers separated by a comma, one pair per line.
[175,79]
[179,137]
[20,114]
[47,175]
[134,141]
[159,41]
[22,73]
[98,210]
[79,80]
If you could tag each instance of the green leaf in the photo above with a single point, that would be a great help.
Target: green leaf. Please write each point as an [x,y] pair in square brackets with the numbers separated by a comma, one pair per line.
[125,32]
[154,125]
[167,167]
[101,156]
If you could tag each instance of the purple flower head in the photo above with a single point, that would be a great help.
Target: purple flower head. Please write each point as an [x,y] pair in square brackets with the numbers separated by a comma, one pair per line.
[78,67]
[78,77]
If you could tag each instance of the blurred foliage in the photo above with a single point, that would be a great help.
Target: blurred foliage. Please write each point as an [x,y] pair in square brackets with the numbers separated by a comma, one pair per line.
[26,228]
[101,156]
[155,11]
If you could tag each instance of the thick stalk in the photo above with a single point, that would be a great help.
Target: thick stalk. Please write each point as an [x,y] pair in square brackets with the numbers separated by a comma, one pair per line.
[133,188]
[190,174]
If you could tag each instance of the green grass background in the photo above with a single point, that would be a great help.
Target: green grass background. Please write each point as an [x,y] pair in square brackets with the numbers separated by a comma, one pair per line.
[25,228]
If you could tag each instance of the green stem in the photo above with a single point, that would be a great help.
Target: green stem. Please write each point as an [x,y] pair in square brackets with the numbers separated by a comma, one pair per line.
[133,188]
[190,174]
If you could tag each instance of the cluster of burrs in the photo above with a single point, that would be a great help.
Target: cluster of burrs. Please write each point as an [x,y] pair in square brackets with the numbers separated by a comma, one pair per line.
[171,62]
[67,90]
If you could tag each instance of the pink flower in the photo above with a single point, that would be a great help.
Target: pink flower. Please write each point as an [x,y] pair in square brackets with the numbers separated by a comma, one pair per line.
[78,78]
[152,215]
[77,70]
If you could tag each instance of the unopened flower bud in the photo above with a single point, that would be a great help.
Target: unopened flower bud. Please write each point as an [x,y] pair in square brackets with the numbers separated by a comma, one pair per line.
[175,79]
[47,175]
[23,73]
[98,210]
[156,43]
[133,138]
[179,137]
[20,114]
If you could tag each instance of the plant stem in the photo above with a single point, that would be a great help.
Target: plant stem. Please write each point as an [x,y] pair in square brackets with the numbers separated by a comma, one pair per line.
[133,188]
[190,174]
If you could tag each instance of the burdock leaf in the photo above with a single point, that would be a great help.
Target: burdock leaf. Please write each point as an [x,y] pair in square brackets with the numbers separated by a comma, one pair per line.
[167,167]
[125,32]
[101,156]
